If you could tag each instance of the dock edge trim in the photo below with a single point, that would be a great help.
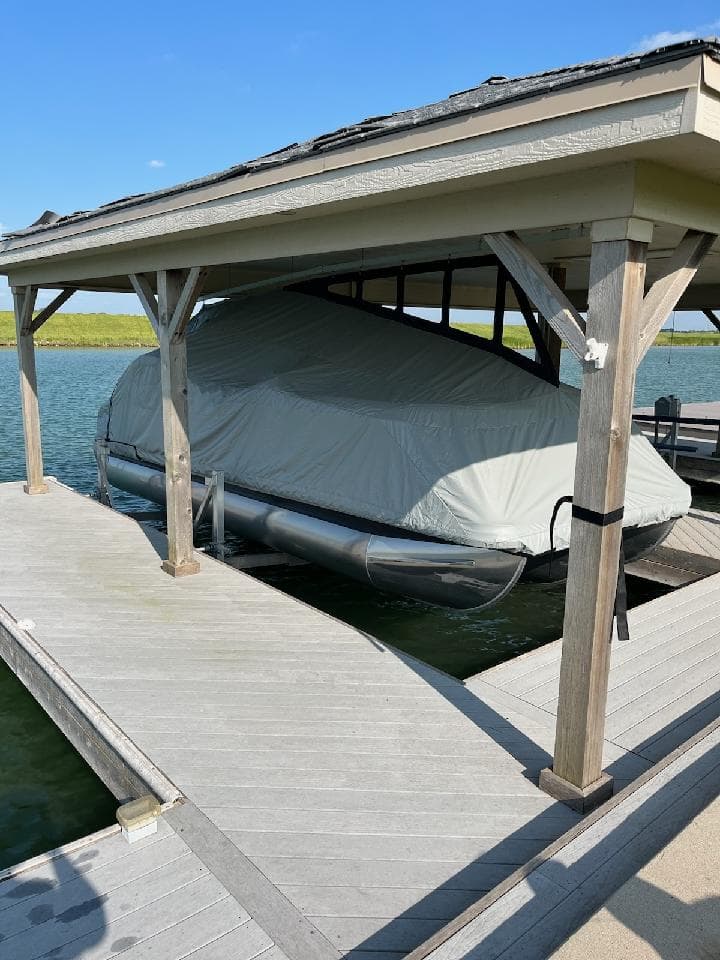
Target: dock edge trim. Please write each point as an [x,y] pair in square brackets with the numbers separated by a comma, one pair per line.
[114,757]
[445,933]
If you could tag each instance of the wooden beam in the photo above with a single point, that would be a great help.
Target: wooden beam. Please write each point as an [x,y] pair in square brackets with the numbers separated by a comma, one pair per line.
[141,286]
[662,297]
[617,274]
[522,264]
[24,301]
[173,305]
[550,338]
[713,318]
[39,319]
[193,280]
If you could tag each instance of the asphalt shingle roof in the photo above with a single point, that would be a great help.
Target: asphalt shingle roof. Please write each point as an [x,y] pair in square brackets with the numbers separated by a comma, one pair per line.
[492,92]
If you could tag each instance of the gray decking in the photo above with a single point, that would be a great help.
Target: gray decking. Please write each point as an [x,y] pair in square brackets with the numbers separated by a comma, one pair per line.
[380,796]
[698,533]
[690,552]
[542,905]
[101,897]
[664,683]
[374,797]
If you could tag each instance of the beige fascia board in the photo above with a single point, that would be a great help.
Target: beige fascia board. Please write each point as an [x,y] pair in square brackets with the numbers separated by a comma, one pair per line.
[577,196]
[665,195]
[711,74]
[513,154]
[679,75]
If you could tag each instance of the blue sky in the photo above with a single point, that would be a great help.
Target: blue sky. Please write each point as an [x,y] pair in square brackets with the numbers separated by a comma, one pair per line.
[106,100]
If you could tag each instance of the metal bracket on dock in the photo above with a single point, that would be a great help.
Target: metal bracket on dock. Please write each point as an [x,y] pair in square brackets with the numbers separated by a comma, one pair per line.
[103,487]
[214,497]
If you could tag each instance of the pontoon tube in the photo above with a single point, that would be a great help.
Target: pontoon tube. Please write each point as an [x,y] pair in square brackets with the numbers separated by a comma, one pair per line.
[457,576]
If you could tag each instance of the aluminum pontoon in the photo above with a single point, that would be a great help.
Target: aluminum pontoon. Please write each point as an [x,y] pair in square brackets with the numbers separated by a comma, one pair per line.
[409,460]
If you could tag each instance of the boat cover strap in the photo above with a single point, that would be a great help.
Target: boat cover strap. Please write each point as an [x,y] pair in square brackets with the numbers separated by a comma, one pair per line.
[621,620]
[599,519]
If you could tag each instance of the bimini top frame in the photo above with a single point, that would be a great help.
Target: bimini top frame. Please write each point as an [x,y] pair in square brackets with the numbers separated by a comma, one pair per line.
[542,366]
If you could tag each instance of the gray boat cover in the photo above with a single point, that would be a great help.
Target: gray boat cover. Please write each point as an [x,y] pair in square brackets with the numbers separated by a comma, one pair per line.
[329,405]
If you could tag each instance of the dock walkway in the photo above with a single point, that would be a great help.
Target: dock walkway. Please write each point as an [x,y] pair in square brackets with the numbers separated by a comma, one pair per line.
[348,798]
[101,897]
[690,552]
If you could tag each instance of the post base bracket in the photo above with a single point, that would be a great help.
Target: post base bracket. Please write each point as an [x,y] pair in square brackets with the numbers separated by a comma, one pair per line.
[582,799]
[186,569]
[32,489]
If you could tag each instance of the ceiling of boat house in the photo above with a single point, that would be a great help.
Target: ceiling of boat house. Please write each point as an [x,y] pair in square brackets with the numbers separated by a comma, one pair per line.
[545,155]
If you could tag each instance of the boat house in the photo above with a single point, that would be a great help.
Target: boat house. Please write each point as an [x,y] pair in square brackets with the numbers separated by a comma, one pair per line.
[587,198]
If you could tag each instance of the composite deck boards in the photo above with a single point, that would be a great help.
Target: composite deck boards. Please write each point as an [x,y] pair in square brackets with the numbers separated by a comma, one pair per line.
[664,682]
[698,533]
[103,897]
[378,795]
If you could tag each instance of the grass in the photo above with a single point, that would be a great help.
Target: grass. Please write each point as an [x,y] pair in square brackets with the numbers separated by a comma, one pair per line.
[85,330]
[518,337]
[125,330]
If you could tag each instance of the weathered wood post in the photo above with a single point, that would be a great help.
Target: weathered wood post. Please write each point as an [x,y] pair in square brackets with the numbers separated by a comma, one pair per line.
[625,324]
[24,301]
[617,276]
[177,295]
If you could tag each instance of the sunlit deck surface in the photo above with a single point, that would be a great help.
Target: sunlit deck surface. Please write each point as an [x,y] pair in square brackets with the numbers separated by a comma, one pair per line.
[356,799]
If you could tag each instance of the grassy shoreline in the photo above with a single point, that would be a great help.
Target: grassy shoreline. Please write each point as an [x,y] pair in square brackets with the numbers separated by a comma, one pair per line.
[519,337]
[128,330]
[85,330]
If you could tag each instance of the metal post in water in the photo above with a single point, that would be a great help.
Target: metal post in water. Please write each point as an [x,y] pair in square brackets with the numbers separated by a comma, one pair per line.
[101,457]
[218,514]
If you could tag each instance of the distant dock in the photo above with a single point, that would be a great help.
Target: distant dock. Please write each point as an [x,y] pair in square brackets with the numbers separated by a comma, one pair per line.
[691,552]
[698,440]
[323,794]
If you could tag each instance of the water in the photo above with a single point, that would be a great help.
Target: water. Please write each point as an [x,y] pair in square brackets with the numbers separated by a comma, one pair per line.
[48,796]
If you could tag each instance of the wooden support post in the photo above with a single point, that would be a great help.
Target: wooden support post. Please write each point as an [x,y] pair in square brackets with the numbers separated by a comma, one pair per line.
[177,295]
[617,275]
[550,337]
[24,300]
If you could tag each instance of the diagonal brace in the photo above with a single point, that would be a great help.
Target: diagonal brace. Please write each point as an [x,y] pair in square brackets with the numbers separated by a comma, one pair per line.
[45,314]
[522,264]
[663,296]
[146,296]
[189,283]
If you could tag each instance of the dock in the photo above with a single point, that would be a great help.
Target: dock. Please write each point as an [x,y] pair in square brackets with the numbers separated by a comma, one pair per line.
[324,795]
[689,553]
[698,459]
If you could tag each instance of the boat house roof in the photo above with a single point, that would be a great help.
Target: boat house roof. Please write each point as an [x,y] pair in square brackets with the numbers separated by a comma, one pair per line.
[545,154]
